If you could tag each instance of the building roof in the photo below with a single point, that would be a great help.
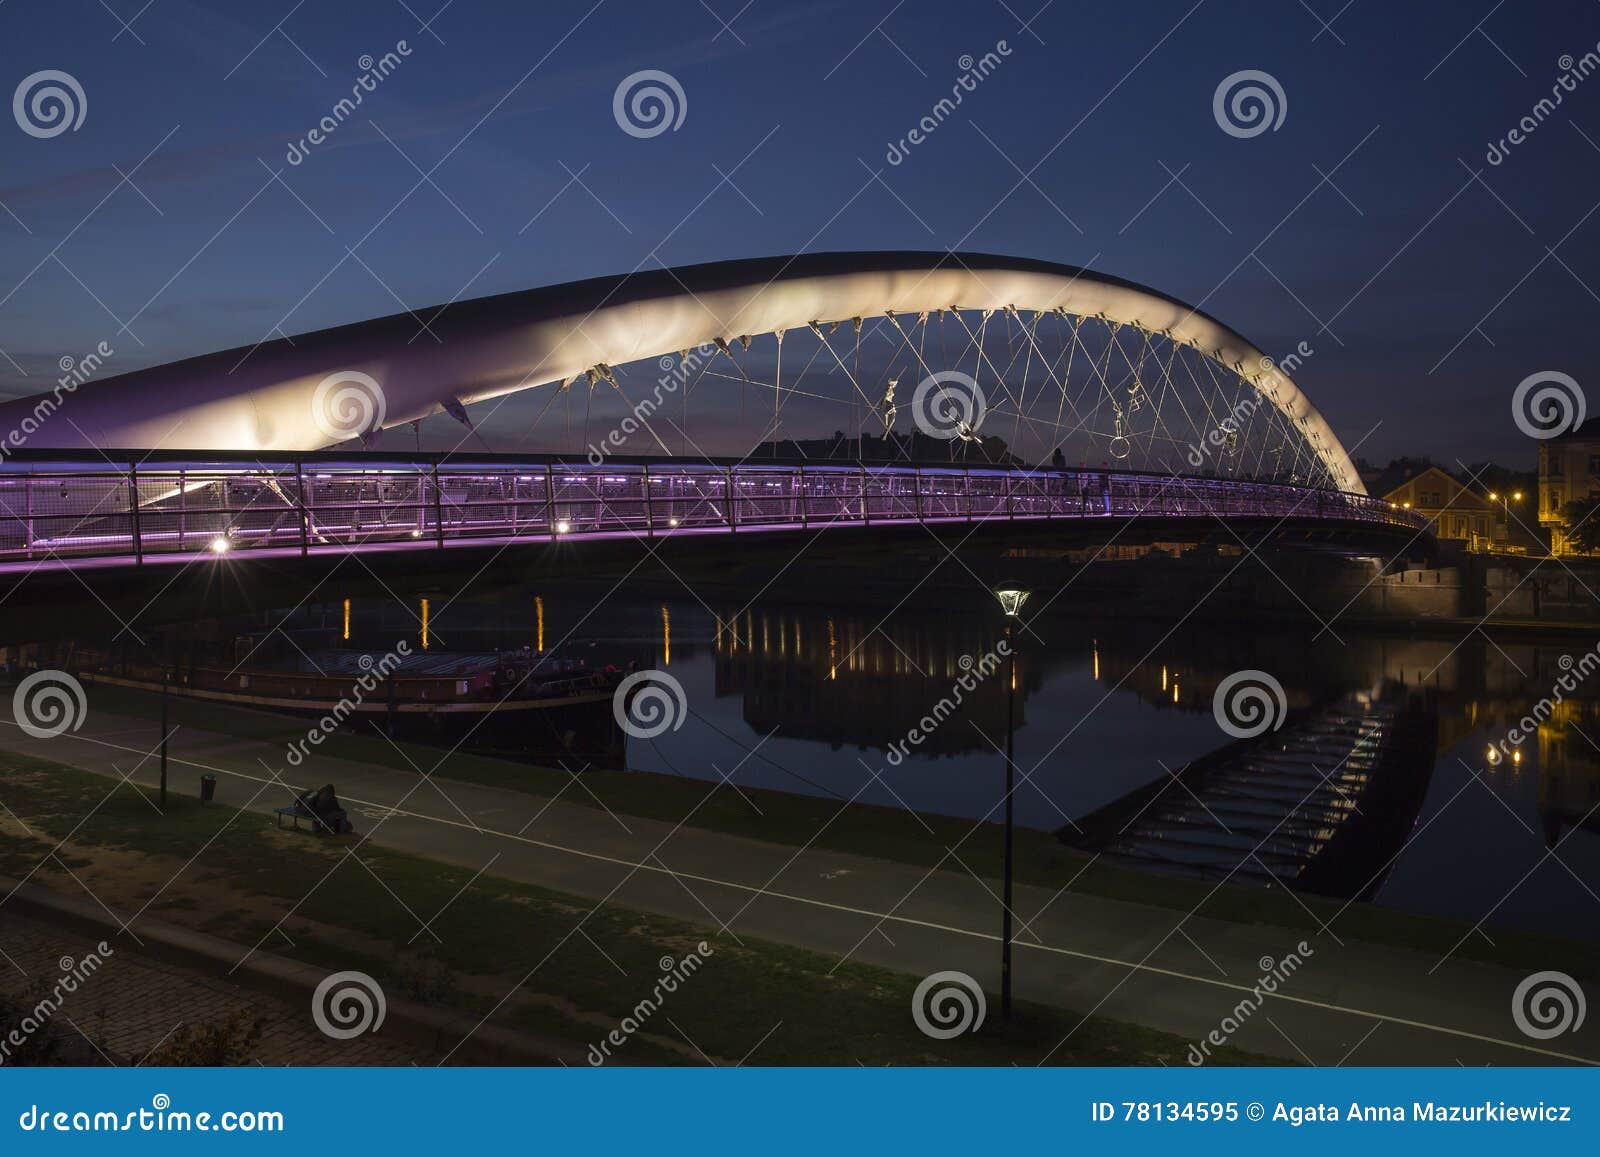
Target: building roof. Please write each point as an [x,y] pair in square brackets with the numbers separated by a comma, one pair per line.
[1458,494]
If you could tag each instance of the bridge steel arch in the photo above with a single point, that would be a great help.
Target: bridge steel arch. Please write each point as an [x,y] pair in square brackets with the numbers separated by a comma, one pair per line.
[265,398]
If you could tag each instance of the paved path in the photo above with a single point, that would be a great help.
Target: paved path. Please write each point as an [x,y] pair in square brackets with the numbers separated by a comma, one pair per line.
[1350,1003]
[130,1003]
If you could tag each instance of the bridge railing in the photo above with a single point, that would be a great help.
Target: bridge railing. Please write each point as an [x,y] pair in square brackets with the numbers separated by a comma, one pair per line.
[55,511]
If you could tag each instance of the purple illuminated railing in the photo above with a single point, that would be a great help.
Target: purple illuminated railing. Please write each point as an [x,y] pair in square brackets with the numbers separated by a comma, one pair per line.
[55,512]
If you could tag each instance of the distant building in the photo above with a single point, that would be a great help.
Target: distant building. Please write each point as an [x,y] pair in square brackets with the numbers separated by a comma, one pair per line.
[1456,512]
[1569,470]
[913,446]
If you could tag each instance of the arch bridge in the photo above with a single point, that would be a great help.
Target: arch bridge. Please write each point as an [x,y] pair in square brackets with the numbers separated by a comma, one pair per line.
[944,378]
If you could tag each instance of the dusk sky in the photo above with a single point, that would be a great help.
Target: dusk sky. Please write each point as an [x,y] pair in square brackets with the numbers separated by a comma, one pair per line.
[1369,225]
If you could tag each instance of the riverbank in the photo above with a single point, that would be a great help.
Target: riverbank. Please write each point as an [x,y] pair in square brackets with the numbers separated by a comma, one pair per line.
[539,960]
[1142,964]
[917,839]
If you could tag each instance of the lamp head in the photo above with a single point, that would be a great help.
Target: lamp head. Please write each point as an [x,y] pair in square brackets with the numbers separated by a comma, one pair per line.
[1011,598]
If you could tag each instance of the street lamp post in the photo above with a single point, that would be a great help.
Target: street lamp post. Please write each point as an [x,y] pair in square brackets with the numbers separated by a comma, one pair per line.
[163,735]
[1011,599]
[1505,501]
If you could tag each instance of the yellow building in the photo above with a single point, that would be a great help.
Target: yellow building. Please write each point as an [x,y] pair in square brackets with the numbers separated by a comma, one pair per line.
[1456,512]
[1569,470]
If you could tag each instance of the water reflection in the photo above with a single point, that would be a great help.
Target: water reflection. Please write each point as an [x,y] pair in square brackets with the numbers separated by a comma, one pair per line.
[840,680]
[1569,779]
[1323,803]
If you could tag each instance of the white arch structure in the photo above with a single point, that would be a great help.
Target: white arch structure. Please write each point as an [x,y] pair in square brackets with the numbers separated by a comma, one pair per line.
[265,398]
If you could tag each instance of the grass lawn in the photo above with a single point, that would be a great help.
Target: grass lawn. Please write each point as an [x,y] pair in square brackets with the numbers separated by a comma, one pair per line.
[497,932]
[891,834]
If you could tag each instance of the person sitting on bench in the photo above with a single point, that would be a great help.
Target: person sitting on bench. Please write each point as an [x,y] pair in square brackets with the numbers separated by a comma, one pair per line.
[321,806]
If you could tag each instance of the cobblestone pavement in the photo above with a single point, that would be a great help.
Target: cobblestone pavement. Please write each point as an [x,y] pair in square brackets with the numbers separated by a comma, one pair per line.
[133,1003]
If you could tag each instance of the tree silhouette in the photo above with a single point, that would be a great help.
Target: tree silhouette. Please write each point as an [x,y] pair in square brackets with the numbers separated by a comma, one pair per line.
[1583,523]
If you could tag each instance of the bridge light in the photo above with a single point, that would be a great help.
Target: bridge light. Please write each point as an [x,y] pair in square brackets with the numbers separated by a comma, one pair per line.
[563,526]
[672,522]
[1516,496]
[220,544]
[1493,497]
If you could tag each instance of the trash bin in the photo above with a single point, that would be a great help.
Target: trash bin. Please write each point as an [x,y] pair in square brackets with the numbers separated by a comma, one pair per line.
[208,788]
